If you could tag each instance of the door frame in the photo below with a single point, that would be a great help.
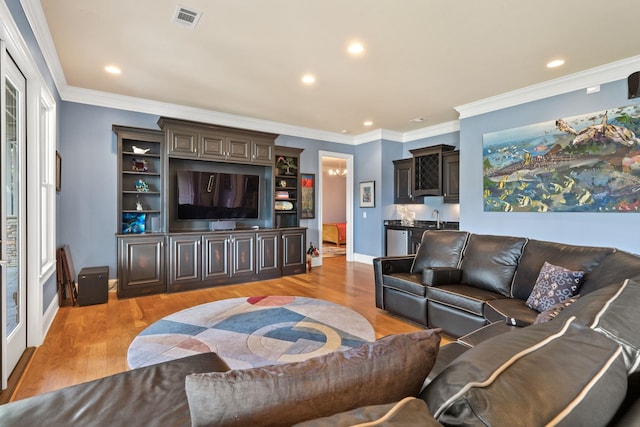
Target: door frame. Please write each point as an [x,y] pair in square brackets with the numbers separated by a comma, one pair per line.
[11,353]
[349,198]
[41,134]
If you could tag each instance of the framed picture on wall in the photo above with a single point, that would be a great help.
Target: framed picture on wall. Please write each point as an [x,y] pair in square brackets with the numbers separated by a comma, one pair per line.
[308,196]
[368,194]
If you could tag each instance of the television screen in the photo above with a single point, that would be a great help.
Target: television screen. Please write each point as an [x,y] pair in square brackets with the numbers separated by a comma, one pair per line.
[215,195]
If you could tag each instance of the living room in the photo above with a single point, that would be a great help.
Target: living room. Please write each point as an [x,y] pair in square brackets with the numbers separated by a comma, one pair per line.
[85,217]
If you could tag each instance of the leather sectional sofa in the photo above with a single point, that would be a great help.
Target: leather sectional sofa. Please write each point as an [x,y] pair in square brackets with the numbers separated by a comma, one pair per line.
[476,288]
[581,366]
[460,281]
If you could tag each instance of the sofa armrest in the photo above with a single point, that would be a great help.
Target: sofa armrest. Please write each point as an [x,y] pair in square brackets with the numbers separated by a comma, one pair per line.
[389,265]
[433,276]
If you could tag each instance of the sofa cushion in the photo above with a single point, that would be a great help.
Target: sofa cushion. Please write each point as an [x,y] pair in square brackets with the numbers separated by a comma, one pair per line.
[439,248]
[553,285]
[500,310]
[407,282]
[384,371]
[588,306]
[614,269]
[548,374]
[537,252]
[553,311]
[151,396]
[463,297]
[619,320]
[410,411]
[489,262]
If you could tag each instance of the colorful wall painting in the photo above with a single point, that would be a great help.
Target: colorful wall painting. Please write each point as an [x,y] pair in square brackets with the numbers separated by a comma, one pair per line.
[586,163]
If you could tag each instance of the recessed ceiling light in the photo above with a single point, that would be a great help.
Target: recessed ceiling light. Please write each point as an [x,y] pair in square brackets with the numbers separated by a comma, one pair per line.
[555,63]
[344,131]
[368,123]
[417,120]
[355,48]
[308,79]
[112,69]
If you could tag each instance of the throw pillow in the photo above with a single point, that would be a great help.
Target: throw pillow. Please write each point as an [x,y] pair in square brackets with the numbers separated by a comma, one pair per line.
[410,411]
[553,285]
[384,371]
[554,310]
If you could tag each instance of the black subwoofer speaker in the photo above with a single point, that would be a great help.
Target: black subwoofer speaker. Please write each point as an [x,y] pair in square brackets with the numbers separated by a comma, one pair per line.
[93,285]
[633,81]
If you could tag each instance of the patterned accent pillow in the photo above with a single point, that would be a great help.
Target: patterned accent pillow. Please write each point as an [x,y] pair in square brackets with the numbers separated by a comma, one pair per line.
[553,285]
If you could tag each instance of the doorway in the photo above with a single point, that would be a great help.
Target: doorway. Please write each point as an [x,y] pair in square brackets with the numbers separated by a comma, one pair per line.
[12,214]
[337,188]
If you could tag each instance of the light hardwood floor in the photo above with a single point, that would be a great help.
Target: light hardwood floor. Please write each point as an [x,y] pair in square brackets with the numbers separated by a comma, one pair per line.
[85,343]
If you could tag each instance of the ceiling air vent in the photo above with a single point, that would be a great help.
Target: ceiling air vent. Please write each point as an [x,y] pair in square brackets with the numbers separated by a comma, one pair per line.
[187,17]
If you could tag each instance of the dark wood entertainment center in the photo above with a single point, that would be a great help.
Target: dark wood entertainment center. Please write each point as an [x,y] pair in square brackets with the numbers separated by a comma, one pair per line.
[158,253]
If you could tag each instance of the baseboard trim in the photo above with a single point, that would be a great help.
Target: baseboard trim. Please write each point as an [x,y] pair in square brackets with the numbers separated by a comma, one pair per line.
[16,376]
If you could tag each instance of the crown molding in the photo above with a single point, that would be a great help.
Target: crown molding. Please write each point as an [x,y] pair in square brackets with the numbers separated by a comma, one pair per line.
[577,81]
[435,130]
[130,103]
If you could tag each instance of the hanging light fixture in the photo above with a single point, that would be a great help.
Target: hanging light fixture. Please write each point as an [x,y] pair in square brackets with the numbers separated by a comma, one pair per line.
[338,172]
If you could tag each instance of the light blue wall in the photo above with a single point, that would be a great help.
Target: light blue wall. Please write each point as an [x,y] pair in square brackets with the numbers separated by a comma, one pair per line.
[309,160]
[596,229]
[367,231]
[87,204]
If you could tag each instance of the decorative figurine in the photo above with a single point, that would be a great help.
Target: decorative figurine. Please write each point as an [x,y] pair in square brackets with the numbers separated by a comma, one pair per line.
[140,165]
[139,150]
[139,204]
[311,252]
[142,186]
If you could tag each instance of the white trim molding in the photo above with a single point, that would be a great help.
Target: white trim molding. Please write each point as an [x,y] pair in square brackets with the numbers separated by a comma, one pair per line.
[595,76]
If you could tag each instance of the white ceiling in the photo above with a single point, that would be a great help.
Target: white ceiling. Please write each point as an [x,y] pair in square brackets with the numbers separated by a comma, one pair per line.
[246,58]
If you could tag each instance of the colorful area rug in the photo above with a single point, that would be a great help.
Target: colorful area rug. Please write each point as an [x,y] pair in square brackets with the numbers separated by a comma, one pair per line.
[249,332]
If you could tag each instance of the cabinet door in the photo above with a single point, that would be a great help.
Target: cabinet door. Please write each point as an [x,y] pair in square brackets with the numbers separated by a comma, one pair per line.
[262,152]
[185,260]
[212,146]
[403,182]
[428,175]
[294,251]
[427,169]
[451,179]
[243,261]
[140,266]
[216,256]
[182,142]
[238,149]
[267,257]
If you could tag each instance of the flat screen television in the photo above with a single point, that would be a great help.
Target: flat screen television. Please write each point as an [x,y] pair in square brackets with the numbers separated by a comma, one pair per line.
[216,195]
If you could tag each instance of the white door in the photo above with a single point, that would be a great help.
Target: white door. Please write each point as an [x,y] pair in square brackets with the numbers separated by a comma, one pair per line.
[12,214]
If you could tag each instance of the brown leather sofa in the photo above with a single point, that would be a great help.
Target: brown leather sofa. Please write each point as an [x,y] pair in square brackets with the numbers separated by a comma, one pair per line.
[460,281]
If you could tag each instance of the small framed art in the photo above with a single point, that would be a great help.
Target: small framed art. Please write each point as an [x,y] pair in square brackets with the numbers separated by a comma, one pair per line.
[368,194]
[308,196]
